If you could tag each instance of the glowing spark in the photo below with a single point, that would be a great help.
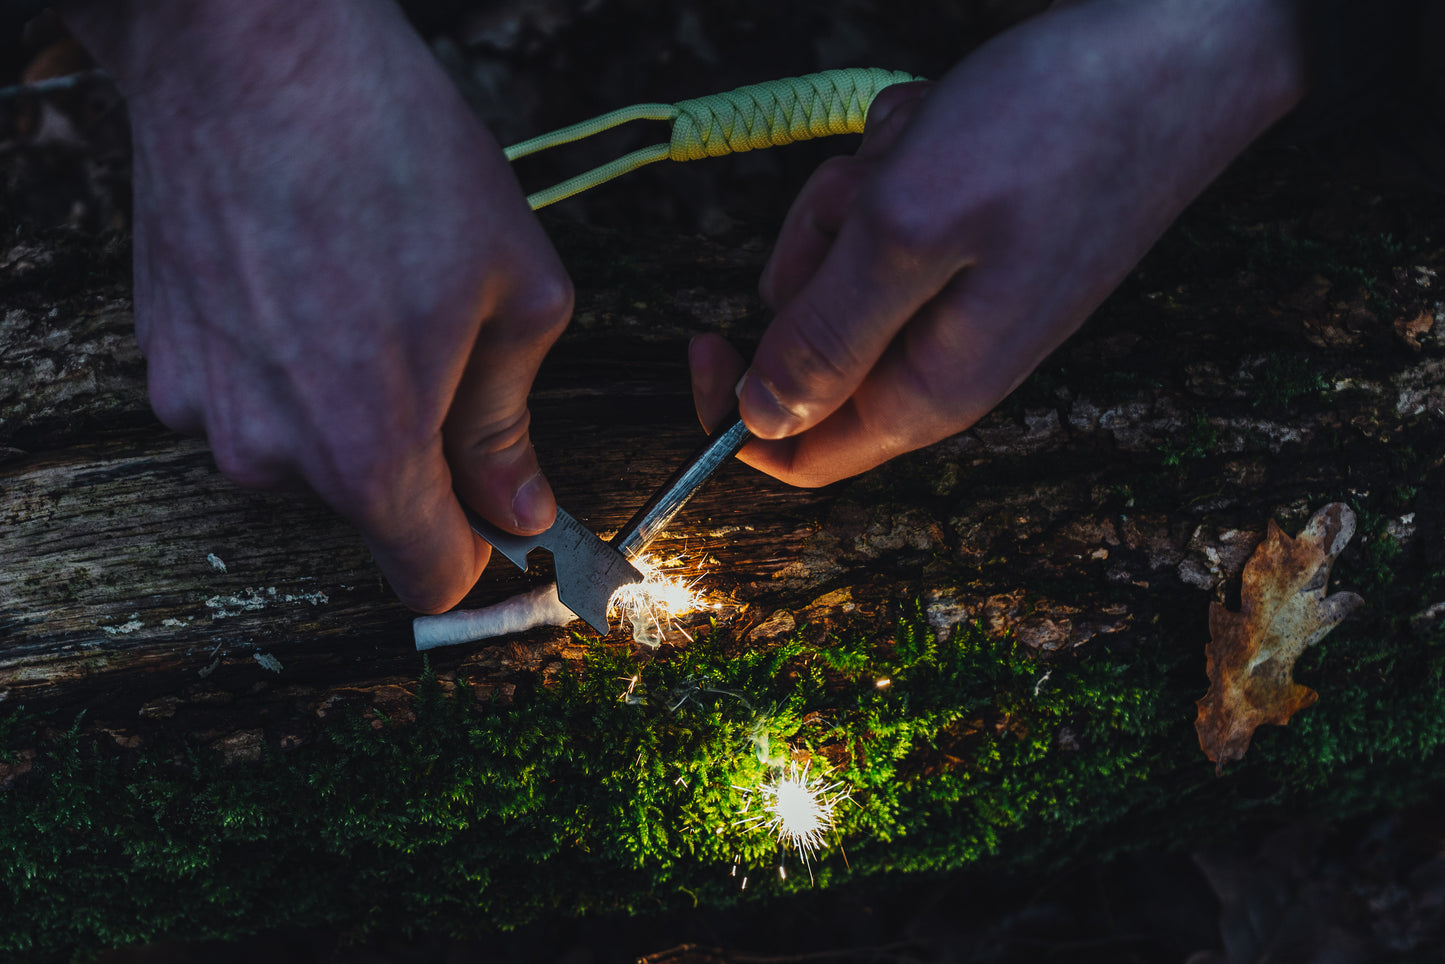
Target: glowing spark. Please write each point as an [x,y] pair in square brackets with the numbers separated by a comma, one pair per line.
[883,683]
[797,810]
[653,605]
[631,696]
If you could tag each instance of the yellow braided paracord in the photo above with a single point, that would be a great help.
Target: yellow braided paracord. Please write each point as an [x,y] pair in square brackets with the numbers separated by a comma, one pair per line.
[759,115]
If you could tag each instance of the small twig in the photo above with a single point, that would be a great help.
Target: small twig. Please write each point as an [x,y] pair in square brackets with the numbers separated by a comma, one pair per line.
[52,84]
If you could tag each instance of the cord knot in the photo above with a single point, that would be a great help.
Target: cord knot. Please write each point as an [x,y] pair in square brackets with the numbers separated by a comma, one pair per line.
[778,112]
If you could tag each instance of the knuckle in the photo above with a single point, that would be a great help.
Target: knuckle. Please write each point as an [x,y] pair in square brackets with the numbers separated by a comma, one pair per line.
[424,601]
[808,477]
[544,306]
[504,435]
[929,369]
[894,96]
[815,354]
[360,482]
[839,177]
[173,391]
[173,408]
[247,463]
[903,222]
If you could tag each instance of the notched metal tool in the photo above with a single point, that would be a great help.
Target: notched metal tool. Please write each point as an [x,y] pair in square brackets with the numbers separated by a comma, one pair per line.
[589,570]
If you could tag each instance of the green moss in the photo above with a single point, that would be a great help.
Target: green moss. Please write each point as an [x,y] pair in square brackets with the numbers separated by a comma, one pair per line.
[1285,378]
[1195,443]
[1380,552]
[618,790]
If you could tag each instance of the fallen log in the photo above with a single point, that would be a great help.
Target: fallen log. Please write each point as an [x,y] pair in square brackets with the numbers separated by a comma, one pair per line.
[1141,462]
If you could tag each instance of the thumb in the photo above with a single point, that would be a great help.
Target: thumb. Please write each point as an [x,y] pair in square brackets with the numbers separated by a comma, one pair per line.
[488,442]
[497,473]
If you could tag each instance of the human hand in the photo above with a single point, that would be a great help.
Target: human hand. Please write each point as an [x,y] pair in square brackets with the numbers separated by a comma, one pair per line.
[337,279]
[917,282]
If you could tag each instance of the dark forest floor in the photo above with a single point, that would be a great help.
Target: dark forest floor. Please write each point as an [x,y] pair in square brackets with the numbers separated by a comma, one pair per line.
[1369,890]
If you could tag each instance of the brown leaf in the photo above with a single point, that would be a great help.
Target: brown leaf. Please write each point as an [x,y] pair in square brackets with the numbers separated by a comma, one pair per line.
[1251,653]
[1410,330]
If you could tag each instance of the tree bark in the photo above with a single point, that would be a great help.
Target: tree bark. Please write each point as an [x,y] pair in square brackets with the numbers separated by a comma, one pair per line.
[1259,364]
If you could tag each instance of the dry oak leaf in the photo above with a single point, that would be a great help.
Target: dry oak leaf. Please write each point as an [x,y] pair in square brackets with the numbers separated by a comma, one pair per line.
[1411,330]
[1251,653]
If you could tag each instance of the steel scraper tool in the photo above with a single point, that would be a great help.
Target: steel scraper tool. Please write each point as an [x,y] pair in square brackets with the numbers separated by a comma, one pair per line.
[589,570]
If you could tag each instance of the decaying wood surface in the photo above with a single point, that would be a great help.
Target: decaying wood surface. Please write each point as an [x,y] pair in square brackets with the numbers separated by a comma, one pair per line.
[1112,498]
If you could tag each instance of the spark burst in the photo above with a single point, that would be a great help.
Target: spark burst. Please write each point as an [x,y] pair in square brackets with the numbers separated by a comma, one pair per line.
[798,811]
[653,605]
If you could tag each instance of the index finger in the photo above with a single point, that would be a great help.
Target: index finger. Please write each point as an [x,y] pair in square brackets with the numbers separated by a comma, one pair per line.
[957,358]
[822,344]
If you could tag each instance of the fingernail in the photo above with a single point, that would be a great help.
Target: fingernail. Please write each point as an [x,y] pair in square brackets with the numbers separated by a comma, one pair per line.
[532,505]
[766,415]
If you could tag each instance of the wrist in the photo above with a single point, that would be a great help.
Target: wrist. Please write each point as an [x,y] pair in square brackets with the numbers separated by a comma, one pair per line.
[215,56]
[1231,68]
[1192,81]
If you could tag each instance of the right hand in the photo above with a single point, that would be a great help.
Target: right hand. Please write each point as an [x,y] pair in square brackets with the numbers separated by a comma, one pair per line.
[337,279]
[918,282]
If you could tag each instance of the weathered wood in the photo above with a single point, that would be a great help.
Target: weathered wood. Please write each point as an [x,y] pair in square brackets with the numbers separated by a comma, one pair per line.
[1119,490]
